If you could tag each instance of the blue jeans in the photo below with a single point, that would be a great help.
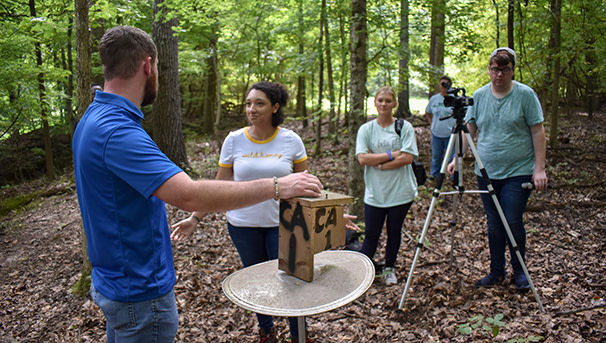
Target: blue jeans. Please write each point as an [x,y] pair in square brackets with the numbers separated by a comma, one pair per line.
[256,245]
[438,149]
[374,218]
[151,321]
[512,198]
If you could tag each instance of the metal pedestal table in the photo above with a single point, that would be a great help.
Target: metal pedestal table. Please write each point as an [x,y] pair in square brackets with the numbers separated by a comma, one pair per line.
[340,276]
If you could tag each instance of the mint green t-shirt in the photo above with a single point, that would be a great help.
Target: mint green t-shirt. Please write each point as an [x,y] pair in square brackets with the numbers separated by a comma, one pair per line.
[387,188]
[504,139]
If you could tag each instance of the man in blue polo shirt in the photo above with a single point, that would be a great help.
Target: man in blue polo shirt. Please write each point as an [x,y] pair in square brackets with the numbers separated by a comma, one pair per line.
[123,181]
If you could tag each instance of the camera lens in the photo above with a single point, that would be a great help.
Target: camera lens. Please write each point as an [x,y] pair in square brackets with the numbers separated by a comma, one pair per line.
[445,84]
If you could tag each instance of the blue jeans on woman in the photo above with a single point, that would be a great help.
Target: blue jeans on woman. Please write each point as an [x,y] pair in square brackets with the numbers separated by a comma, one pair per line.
[512,198]
[438,149]
[256,245]
[374,218]
[154,321]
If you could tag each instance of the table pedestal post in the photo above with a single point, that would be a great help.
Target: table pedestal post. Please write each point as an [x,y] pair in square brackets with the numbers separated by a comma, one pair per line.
[301,323]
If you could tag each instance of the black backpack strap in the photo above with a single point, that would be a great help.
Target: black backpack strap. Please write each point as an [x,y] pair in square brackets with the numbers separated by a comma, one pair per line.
[398,125]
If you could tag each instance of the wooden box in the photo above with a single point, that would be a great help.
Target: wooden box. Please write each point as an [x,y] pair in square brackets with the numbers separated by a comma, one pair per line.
[309,226]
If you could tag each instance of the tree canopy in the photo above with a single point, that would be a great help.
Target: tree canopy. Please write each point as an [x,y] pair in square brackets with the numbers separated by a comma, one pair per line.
[275,40]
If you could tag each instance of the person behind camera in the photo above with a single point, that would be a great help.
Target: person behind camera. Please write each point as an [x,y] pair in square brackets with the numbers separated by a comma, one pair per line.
[440,129]
[508,119]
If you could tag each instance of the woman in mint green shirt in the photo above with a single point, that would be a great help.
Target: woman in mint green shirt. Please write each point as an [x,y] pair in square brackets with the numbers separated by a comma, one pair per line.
[390,184]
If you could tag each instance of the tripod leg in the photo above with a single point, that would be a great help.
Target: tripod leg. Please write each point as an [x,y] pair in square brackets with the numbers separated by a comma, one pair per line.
[453,226]
[503,219]
[436,194]
[461,188]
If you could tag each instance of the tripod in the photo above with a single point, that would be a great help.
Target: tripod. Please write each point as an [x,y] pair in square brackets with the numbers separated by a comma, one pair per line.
[456,136]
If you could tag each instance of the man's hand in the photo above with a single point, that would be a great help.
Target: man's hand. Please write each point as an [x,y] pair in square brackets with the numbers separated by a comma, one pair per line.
[349,224]
[539,179]
[451,167]
[183,229]
[299,185]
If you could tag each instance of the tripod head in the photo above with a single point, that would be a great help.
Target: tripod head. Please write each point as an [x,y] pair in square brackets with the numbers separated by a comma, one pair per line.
[458,103]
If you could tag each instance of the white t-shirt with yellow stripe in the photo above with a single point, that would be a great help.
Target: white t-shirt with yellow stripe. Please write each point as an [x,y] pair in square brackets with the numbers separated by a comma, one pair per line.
[251,160]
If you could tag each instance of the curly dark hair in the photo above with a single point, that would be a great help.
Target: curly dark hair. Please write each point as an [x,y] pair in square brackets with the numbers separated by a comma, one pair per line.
[277,94]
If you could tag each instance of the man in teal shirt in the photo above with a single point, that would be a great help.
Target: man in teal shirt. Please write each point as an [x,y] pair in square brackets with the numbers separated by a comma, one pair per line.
[508,119]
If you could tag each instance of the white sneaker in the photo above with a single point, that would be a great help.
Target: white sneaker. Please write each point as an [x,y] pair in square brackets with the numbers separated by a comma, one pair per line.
[389,276]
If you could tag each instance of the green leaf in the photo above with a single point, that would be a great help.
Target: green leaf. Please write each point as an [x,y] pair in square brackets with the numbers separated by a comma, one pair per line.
[495,331]
[464,329]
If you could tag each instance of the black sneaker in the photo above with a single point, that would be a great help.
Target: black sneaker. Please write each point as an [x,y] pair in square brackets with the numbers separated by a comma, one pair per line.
[521,282]
[490,280]
[268,336]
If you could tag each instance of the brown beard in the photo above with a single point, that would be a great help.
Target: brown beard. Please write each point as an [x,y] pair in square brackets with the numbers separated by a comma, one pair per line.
[151,89]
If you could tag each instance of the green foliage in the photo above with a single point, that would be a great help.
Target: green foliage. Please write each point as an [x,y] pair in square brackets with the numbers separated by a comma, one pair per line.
[493,326]
[279,41]
[527,339]
[16,203]
[82,286]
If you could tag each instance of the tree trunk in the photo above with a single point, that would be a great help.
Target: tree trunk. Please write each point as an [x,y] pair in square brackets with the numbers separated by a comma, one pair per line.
[166,112]
[555,89]
[333,119]
[403,71]
[436,49]
[343,77]
[319,112]
[521,38]
[301,109]
[69,91]
[48,149]
[217,73]
[497,22]
[510,22]
[209,114]
[359,36]
[83,72]
[591,85]
[301,90]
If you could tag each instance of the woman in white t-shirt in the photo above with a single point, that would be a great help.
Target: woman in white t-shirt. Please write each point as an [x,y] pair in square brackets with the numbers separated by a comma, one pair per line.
[261,150]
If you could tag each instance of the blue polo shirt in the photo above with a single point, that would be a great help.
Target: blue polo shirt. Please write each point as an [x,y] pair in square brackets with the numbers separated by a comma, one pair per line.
[117,168]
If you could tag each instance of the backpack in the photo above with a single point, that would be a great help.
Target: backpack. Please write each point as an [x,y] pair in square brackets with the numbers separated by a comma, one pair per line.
[417,167]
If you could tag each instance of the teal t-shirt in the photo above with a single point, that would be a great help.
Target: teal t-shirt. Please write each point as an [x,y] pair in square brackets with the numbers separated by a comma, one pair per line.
[504,139]
[387,188]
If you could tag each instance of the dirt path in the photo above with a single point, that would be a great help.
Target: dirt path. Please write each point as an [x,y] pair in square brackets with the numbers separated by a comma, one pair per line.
[40,261]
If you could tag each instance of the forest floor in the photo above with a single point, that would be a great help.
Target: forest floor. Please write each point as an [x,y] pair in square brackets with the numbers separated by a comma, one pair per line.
[40,259]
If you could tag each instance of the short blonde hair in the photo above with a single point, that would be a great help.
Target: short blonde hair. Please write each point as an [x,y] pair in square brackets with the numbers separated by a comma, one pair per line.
[388,89]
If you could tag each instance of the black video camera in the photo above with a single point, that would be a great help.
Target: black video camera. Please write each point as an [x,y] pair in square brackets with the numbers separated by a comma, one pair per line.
[456,101]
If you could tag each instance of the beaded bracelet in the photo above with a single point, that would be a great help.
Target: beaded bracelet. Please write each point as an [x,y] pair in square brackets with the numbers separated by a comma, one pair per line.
[276,185]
